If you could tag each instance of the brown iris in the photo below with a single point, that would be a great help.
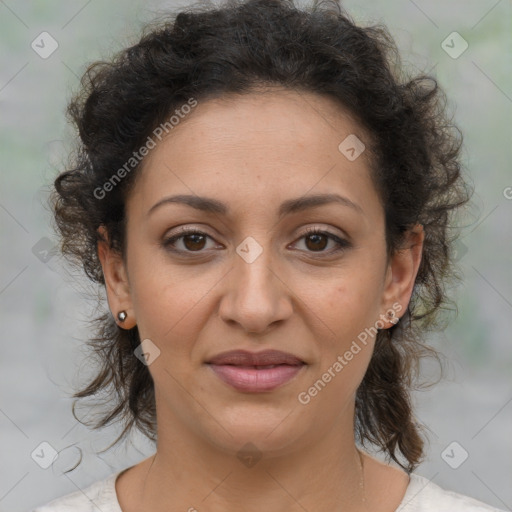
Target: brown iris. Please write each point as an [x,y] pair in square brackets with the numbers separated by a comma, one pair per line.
[316,240]
[197,243]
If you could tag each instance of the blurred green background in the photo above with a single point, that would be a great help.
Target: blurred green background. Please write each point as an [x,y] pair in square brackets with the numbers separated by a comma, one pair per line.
[44,309]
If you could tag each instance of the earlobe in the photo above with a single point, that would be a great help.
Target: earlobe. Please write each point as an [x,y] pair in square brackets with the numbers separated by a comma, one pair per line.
[402,271]
[116,282]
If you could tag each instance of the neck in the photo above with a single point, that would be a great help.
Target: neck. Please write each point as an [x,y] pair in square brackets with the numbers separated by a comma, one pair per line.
[191,474]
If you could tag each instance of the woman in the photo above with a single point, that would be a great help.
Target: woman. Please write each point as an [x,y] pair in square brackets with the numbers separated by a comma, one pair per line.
[268,204]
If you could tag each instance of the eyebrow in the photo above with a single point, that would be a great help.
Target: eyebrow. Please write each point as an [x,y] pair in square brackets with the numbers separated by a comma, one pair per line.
[210,205]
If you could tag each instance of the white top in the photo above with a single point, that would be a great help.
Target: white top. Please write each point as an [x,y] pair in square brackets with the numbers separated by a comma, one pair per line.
[421,495]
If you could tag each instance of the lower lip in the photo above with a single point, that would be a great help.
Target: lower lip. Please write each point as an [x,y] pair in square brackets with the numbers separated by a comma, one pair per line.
[252,380]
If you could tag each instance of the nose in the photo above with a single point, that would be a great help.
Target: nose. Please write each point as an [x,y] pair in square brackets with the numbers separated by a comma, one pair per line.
[255,298]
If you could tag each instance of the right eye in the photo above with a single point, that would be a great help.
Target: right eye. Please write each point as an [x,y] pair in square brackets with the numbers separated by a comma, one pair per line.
[192,240]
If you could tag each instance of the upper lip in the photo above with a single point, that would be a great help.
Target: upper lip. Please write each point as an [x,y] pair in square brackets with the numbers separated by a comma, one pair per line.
[264,358]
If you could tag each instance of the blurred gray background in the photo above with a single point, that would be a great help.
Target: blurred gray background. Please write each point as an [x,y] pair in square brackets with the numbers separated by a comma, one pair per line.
[44,309]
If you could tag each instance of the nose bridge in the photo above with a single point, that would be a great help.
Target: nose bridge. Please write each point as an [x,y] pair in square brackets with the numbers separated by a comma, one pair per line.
[255,296]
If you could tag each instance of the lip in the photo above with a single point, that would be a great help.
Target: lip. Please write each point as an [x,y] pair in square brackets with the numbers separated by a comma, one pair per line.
[247,358]
[248,371]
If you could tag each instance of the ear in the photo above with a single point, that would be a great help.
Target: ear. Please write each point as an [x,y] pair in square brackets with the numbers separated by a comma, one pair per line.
[401,274]
[116,281]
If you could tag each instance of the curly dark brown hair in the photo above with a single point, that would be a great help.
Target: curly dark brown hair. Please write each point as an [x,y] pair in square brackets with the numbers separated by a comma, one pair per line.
[210,51]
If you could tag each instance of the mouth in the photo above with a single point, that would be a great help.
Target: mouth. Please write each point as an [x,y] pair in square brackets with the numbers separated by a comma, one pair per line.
[255,372]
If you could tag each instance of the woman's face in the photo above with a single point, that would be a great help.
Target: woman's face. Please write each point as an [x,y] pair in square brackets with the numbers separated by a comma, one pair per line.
[254,279]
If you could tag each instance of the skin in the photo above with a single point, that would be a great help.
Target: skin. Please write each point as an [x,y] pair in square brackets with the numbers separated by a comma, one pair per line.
[252,153]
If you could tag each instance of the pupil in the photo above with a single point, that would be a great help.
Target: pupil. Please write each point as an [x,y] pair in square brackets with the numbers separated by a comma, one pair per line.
[188,237]
[316,237]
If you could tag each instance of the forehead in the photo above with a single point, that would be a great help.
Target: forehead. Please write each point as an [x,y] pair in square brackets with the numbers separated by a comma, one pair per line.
[258,149]
[272,115]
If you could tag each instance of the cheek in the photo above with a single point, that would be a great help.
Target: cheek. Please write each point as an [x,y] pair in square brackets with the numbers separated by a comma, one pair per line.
[351,304]
[349,308]
[167,311]
[171,304]
[345,356]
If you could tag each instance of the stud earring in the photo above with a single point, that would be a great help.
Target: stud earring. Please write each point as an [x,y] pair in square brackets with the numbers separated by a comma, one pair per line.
[392,318]
[122,316]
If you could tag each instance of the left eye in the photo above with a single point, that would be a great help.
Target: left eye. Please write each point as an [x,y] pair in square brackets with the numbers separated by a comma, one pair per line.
[315,240]
[318,240]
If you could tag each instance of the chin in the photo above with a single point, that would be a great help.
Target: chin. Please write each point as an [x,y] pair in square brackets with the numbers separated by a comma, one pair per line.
[269,430]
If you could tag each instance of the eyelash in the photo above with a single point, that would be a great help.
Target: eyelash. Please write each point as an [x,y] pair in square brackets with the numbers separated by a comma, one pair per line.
[342,244]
